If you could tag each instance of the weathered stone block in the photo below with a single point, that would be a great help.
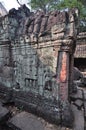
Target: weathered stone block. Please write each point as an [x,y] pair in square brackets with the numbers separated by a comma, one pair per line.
[78,119]
[6,93]
[4,114]
[25,121]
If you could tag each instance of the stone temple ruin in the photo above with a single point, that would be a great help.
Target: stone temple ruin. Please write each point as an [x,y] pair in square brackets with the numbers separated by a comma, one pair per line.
[36,61]
[80,52]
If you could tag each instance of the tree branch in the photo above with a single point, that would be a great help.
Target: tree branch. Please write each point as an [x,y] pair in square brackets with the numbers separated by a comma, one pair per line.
[19,2]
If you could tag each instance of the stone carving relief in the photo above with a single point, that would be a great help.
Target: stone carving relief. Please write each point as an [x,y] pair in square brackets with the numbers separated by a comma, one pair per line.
[35,39]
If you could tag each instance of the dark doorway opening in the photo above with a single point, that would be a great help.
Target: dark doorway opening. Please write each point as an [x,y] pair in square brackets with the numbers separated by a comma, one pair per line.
[80,63]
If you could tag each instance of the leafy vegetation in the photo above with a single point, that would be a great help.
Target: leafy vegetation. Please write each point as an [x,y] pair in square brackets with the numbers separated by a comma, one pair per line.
[45,5]
[74,3]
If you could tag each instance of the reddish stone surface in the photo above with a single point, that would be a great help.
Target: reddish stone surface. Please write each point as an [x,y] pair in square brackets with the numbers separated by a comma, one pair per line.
[63,73]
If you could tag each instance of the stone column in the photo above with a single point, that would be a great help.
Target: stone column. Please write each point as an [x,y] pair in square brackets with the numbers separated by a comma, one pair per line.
[71,68]
[63,80]
[62,75]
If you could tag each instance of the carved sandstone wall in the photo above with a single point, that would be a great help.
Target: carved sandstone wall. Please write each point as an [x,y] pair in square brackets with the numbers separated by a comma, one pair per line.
[29,45]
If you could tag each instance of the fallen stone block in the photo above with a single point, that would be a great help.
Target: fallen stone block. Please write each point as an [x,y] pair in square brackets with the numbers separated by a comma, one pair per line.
[0,103]
[76,96]
[4,114]
[85,95]
[77,74]
[85,114]
[79,119]
[78,103]
[85,105]
[25,121]
[5,94]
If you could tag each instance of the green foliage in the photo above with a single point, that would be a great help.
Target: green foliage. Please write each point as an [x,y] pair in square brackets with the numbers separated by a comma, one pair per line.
[81,5]
[74,3]
[48,5]
[83,13]
[45,5]
[69,4]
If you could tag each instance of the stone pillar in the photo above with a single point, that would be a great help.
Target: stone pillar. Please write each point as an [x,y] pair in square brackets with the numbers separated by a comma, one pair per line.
[64,67]
[63,75]
[71,68]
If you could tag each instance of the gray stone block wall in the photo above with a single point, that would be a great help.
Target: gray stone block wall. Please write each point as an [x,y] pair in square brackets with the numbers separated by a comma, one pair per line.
[28,60]
[29,68]
[6,70]
[34,71]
